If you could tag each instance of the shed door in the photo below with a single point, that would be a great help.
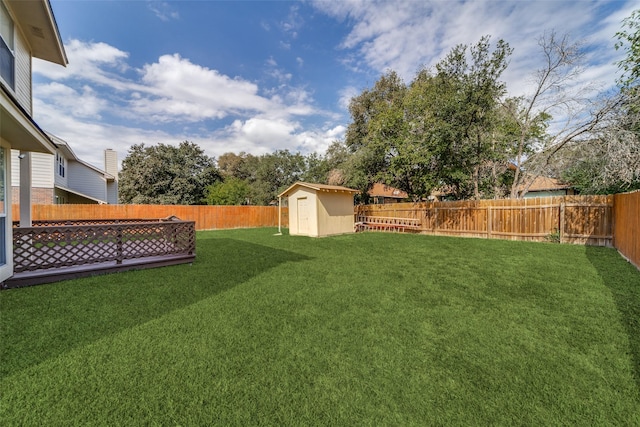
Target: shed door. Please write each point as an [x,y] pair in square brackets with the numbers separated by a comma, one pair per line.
[303,216]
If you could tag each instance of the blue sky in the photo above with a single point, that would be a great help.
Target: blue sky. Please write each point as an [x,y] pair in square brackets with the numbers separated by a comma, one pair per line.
[257,76]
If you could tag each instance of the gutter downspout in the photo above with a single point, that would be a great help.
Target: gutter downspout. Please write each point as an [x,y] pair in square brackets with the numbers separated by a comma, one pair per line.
[279,216]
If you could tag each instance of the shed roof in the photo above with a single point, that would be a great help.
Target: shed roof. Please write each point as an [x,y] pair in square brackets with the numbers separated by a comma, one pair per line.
[318,187]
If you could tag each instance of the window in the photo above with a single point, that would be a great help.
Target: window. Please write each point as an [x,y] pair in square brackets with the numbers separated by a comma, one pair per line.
[60,164]
[7,54]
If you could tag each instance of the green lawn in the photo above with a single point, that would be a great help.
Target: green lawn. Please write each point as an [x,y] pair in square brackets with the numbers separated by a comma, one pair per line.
[364,329]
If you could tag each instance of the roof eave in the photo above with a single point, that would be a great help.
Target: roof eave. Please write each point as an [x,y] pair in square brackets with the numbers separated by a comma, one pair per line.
[40,29]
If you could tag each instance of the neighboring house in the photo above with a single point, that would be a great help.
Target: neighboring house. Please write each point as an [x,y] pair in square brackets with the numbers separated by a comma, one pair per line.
[542,186]
[62,178]
[27,30]
[382,193]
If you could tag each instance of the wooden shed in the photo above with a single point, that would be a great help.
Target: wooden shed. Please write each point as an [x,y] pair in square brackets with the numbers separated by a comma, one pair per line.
[319,210]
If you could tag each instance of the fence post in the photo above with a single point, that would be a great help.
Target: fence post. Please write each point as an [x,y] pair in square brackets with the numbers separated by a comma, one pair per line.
[489,220]
[119,251]
[561,230]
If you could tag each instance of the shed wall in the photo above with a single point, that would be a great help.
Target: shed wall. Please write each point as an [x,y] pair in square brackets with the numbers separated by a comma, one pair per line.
[335,214]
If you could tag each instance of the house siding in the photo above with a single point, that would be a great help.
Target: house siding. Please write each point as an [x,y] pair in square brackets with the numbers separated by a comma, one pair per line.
[41,170]
[23,73]
[87,181]
[22,65]
[112,193]
[41,167]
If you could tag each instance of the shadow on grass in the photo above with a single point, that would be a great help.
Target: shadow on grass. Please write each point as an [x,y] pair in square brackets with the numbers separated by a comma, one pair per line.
[45,321]
[623,280]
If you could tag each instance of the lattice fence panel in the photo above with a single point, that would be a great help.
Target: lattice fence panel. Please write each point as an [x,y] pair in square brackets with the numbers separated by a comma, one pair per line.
[44,247]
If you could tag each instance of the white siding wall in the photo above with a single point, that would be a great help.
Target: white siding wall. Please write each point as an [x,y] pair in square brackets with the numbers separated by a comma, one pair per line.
[112,192]
[87,181]
[23,72]
[41,169]
[15,168]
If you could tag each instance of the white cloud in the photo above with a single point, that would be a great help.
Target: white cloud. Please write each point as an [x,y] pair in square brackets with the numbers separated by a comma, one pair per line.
[178,90]
[84,103]
[262,135]
[76,104]
[345,96]
[407,35]
[172,89]
[163,10]
[94,62]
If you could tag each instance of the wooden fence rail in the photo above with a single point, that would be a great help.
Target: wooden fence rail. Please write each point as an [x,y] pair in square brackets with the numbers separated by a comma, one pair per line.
[569,219]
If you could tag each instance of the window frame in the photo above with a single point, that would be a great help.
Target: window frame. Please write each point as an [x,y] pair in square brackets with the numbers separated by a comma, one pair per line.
[5,46]
[60,165]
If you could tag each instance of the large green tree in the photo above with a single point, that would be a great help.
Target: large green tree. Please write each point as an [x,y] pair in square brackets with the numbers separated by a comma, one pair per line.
[274,172]
[439,131]
[231,191]
[376,130]
[165,174]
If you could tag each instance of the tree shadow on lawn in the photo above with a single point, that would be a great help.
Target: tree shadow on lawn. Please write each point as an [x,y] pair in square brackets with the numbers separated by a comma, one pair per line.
[45,321]
[623,280]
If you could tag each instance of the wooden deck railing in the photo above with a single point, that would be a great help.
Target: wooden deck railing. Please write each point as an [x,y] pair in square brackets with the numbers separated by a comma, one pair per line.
[51,245]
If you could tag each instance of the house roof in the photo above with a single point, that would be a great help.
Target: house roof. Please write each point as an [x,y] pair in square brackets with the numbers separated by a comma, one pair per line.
[40,29]
[318,187]
[70,155]
[543,183]
[383,190]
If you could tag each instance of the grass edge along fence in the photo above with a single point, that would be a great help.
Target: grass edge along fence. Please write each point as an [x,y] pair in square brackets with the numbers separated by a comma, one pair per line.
[565,219]
[206,217]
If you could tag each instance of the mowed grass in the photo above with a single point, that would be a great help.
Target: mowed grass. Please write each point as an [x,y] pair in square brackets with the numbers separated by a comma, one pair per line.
[364,329]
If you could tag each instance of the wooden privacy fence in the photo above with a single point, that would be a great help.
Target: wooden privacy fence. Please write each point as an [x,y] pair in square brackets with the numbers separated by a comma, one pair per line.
[626,229]
[205,217]
[567,219]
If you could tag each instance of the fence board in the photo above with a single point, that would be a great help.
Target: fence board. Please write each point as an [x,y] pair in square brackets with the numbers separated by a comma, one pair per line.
[205,217]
